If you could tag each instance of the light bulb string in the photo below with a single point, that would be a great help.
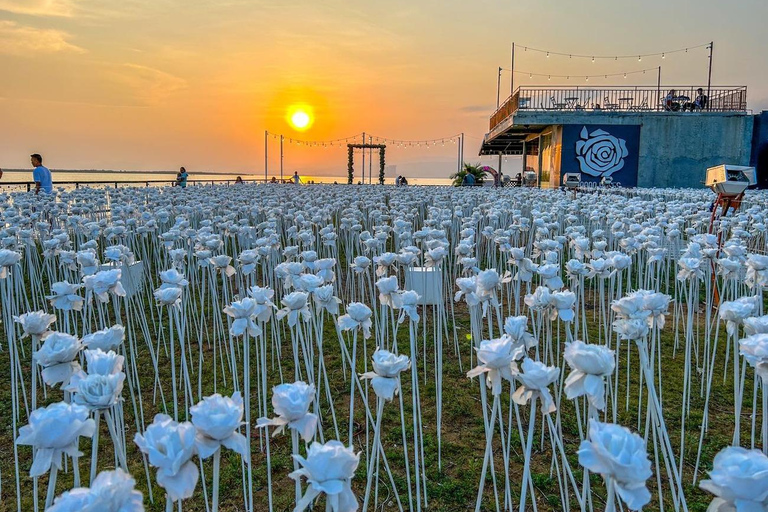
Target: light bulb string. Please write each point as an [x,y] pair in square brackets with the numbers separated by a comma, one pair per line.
[357,138]
[615,57]
[576,75]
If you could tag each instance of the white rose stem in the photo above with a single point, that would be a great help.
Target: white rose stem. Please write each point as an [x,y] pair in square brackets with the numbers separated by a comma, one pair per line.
[263,355]
[95,446]
[352,364]
[610,500]
[692,292]
[51,486]
[172,351]
[705,417]
[476,327]
[169,503]
[295,451]
[420,465]
[527,464]
[10,334]
[660,428]
[405,446]
[216,470]
[373,463]
[247,390]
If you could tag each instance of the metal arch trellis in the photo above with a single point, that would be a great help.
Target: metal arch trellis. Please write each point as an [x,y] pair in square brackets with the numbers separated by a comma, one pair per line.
[351,160]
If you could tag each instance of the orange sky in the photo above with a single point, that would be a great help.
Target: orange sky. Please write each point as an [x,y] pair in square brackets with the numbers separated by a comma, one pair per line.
[154,84]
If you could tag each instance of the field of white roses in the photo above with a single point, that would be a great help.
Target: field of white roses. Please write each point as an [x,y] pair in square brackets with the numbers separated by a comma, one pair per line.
[272,347]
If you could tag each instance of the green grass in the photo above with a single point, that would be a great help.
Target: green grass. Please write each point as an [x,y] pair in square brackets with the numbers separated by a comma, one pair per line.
[451,486]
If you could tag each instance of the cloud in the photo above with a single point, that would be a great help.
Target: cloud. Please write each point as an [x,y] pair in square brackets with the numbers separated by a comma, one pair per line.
[150,86]
[476,108]
[23,40]
[60,8]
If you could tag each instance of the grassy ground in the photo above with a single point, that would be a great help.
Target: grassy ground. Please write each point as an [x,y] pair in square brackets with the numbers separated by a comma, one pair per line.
[452,485]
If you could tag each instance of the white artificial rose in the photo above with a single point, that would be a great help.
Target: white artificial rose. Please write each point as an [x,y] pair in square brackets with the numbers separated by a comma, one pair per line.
[550,276]
[169,296]
[170,446]
[535,379]
[540,299]
[64,296]
[754,348]
[324,298]
[57,355]
[244,312]
[590,365]
[756,325]
[291,403]
[408,302]
[54,431]
[114,491]
[103,363]
[324,269]
[616,453]
[105,339]
[515,327]
[358,317]
[294,305]
[495,358]
[735,312]
[248,260]
[385,376]
[263,297]
[172,278]
[739,480]
[308,282]
[690,268]
[88,262]
[217,419]
[468,289]
[35,323]
[563,304]
[387,287]
[221,262]
[96,391]
[329,469]
[360,264]
[79,499]
[104,282]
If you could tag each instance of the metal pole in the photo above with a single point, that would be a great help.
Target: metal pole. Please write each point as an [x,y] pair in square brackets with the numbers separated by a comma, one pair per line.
[363,158]
[281,158]
[709,76]
[458,157]
[512,73]
[462,149]
[498,89]
[266,159]
[658,88]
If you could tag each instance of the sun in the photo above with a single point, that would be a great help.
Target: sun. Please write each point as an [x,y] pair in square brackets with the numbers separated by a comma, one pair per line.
[300,118]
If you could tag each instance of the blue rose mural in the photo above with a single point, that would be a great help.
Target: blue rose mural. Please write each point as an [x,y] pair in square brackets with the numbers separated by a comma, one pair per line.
[602,151]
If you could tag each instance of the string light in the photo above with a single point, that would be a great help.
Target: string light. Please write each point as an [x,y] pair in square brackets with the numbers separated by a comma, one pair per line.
[662,54]
[600,75]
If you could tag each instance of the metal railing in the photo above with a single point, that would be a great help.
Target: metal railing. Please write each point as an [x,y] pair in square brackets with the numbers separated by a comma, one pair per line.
[621,99]
[30,185]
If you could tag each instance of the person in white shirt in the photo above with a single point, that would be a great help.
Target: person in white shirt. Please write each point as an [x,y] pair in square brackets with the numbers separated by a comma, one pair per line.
[296,178]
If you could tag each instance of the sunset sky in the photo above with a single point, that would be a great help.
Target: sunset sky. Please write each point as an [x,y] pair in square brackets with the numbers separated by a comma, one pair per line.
[154,84]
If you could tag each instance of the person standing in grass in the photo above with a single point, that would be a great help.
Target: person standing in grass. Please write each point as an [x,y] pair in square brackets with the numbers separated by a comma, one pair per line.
[41,175]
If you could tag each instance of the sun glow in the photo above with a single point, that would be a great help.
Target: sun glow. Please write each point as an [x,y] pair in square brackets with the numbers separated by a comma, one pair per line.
[300,118]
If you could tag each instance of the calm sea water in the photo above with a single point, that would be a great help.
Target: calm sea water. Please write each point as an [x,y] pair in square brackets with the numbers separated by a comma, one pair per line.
[84,177]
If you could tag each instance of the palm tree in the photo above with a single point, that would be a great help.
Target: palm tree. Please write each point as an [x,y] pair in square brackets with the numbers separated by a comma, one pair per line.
[475,170]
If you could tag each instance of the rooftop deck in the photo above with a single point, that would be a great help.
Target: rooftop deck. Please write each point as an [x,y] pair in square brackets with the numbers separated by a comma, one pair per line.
[618,99]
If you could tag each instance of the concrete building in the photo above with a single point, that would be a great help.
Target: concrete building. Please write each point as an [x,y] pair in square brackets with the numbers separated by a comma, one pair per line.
[637,136]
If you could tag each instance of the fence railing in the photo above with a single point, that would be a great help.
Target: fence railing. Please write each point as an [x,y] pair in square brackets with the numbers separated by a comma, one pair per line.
[30,185]
[623,99]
